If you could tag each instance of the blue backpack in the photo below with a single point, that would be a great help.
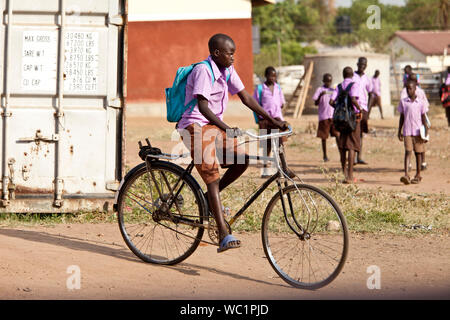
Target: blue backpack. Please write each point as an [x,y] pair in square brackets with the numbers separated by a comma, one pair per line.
[176,96]
[260,87]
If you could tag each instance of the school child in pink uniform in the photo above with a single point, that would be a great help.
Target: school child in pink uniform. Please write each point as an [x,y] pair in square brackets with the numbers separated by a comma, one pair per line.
[204,132]
[412,116]
[365,89]
[322,99]
[376,93]
[271,98]
[349,142]
[420,93]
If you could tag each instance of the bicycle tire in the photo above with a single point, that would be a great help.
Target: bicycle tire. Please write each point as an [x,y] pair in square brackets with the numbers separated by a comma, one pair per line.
[320,236]
[134,219]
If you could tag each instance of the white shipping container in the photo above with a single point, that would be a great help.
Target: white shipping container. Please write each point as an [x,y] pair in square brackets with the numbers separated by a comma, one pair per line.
[63,89]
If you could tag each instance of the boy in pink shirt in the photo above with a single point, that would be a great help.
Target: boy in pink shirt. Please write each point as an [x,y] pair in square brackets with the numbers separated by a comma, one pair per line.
[365,89]
[412,116]
[325,112]
[420,93]
[349,142]
[272,101]
[204,132]
[376,93]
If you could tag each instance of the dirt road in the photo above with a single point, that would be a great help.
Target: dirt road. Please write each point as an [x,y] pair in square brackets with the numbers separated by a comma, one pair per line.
[37,261]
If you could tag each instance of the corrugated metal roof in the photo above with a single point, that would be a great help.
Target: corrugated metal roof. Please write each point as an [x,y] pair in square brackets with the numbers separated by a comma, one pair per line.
[427,42]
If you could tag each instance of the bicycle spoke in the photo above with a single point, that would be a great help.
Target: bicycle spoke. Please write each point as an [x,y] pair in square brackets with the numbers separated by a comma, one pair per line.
[313,258]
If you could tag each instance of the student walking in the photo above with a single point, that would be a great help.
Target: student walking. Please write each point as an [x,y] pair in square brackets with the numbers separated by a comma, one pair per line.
[412,116]
[365,89]
[349,141]
[375,100]
[420,93]
[271,98]
[322,100]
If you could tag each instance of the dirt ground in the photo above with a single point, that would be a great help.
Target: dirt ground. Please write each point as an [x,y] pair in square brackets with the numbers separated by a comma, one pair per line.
[36,260]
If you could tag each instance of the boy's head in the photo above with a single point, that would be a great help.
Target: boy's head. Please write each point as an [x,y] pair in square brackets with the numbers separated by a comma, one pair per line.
[271,74]
[347,72]
[448,69]
[377,73]
[413,77]
[411,88]
[327,78]
[362,64]
[408,69]
[222,48]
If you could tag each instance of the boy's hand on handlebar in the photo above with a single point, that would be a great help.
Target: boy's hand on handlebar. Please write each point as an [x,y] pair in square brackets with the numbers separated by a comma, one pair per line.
[282,125]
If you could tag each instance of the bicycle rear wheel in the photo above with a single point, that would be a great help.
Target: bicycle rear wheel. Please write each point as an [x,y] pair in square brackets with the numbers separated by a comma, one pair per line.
[152,231]
[305,236]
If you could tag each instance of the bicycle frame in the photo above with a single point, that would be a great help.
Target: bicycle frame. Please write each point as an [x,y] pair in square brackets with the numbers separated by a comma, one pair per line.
[280,162]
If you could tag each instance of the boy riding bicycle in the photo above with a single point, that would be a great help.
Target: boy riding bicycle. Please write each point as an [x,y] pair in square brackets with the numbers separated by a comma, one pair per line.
[204,132]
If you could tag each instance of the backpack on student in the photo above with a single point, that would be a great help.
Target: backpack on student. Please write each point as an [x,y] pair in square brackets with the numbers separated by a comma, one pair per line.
[176,95]
[259,90]
[344,117]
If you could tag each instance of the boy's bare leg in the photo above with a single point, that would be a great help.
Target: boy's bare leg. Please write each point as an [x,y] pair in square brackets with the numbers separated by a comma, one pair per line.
[233,173]
[418,164]
[351,159]
[324,150]
[406,162]
[343,160]
[216,208]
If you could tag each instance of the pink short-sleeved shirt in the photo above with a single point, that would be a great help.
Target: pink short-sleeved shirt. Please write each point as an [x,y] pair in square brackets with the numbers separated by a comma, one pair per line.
[412,112]
[376,86]
[447,80]
[199,82]
[365,86]
[271,101]
[325,110]
[420,93]
[354,91]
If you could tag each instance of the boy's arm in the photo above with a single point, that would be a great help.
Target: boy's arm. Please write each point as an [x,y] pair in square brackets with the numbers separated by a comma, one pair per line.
[253,105]
[424,122]
[355,103]
[208,114]
[400,126]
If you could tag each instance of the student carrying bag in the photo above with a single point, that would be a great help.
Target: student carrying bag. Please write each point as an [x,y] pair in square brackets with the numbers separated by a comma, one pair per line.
[175,96]
[344,117]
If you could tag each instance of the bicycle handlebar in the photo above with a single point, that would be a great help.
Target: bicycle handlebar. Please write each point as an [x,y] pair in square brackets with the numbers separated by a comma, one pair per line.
[270,136]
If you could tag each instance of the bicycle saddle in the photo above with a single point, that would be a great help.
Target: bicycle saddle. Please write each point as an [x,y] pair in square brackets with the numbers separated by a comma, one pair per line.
[144,151]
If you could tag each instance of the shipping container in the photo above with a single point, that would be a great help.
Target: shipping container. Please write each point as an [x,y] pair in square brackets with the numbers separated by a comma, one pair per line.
[63,95]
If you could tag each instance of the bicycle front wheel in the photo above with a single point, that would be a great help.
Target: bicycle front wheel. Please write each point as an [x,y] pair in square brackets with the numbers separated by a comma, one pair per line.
[305,236]
[153,229]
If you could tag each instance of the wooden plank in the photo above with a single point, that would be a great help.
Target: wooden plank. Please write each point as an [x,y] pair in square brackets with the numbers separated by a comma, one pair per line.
[302,98]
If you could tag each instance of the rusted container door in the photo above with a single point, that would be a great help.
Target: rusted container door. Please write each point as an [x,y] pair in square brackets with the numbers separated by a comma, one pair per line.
[62,105]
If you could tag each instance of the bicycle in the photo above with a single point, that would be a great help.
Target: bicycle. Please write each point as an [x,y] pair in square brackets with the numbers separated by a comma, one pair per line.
[162,215]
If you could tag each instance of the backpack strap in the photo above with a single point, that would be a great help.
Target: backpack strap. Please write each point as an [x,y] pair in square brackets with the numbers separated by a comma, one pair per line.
[211,70]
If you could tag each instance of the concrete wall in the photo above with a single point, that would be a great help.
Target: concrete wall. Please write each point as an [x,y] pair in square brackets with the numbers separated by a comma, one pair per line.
[165,35]
[336,61]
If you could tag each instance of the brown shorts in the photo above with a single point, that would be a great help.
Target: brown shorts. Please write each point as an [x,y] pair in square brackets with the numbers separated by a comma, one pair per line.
[351,140]
[414,143]
[210,147]
[364,122]
[326,128]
